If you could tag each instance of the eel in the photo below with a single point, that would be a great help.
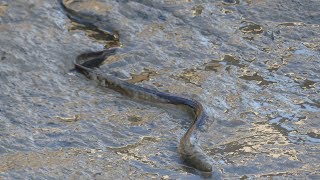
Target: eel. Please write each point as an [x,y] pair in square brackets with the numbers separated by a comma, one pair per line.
[88,64]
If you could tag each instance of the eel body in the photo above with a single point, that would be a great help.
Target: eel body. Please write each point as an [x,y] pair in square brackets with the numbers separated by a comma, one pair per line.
[189,148]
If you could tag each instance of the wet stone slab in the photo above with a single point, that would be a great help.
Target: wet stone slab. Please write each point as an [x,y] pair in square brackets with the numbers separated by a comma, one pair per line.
[255,66]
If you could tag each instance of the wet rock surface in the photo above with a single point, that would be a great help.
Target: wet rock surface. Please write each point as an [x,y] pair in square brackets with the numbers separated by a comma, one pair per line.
[255,66]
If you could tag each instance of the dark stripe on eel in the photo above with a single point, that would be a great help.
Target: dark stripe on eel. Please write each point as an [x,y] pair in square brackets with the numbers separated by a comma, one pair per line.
[189,148]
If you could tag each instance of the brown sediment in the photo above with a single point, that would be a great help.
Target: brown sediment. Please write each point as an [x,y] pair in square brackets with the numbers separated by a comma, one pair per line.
[3,9]
[251,28]
[144,76]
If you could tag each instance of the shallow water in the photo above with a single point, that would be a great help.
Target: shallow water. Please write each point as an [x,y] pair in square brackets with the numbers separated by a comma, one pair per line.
[255,66]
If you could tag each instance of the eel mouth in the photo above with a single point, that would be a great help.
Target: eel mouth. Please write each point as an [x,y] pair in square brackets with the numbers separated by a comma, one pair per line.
[193,156]
[198,163]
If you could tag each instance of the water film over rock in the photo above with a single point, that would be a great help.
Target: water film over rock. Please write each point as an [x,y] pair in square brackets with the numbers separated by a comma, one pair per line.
[254,65]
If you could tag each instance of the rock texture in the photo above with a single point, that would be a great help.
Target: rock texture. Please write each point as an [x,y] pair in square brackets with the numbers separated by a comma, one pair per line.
[255,65]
